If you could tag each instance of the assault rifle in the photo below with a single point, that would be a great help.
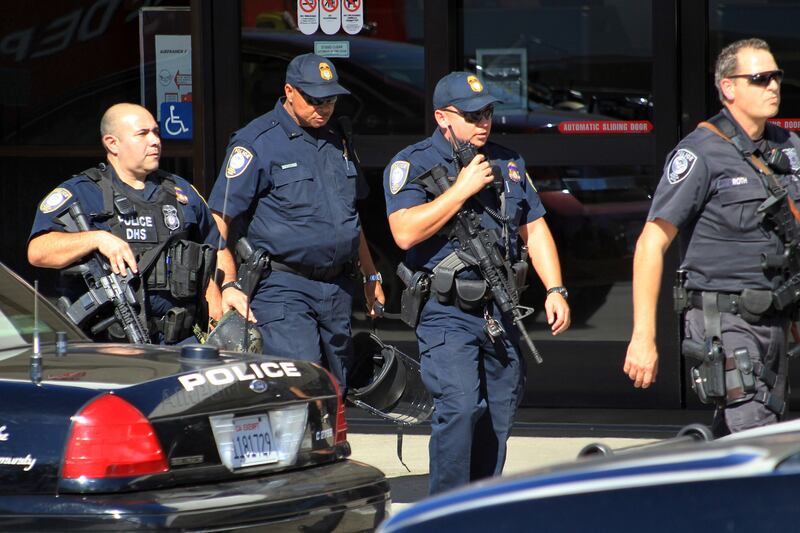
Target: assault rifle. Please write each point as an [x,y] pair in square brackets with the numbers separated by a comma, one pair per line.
[478,247]
[105,289]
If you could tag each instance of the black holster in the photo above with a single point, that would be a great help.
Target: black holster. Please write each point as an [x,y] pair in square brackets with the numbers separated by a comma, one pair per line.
[708,377]
[254,264]
[414,295]
[520,270]
[176,325]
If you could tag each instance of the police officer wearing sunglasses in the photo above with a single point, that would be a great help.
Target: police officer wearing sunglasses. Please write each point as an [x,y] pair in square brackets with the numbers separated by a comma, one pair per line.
[476,378]
[730,187]
[289,181]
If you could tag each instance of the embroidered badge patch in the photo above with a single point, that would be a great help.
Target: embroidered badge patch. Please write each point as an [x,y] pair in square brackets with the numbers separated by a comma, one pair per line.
[680,165]
[237,162]
[54,200]
[398,175]
[181,196]
[171,220]
[513,171]
[475,84]
[325,72]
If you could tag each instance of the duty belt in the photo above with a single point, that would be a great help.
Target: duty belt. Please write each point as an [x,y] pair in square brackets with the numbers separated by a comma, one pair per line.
[726,302]
[314,273]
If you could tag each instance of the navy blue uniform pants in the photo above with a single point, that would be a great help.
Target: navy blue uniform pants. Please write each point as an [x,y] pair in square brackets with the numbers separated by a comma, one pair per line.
[766,343]
[476,386]
[306,319]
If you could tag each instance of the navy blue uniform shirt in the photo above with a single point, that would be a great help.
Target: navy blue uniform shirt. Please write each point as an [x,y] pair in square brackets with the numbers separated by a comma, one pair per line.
[709,191]
[401,191]
[295,186]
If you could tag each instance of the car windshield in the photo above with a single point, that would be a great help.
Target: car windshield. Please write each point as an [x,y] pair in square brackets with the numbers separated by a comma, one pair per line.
[17,322]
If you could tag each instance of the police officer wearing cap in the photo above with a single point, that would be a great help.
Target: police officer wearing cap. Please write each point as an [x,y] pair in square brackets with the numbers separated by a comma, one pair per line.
[726,185]
[476,380]
[291,176]
[142,219]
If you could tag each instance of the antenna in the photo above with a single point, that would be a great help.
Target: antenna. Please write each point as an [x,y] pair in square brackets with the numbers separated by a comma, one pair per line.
[36,356]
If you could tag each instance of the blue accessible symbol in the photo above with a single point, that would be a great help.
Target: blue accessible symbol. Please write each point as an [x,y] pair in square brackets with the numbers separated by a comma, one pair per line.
[176,120]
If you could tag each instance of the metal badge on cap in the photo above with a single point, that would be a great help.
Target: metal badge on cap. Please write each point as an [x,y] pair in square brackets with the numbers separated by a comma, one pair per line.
[475,84]
[325,72]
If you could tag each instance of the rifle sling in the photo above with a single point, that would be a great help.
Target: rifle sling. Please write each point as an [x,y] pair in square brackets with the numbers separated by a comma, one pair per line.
[757,163]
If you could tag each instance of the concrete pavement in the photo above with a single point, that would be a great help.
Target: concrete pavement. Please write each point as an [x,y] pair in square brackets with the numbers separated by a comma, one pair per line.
[542,437]
[524,453]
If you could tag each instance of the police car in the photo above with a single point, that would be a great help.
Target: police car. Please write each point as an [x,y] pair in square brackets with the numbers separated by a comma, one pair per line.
[123,437]
[741,483]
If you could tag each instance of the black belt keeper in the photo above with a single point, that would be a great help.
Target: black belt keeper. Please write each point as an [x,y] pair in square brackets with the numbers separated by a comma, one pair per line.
[315,273]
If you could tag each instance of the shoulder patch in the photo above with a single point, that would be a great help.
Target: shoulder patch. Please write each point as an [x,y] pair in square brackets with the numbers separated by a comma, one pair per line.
[680,165]
[238,161]
[181,196]
[54,200]
[398,174]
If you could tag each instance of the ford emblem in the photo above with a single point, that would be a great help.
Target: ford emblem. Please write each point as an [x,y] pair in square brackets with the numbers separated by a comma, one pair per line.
[258,386]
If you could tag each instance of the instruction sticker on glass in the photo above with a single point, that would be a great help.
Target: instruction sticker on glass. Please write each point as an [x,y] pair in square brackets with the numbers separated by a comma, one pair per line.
[308,16]
[352,16]
[173,69]
[330,17]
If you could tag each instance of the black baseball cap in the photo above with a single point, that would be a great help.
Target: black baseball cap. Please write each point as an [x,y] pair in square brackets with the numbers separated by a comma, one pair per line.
[462,90]
[314,75]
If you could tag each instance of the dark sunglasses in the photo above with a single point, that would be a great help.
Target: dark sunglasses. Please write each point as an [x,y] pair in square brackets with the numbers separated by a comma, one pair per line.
[473,117]
[761,78]
[313,100]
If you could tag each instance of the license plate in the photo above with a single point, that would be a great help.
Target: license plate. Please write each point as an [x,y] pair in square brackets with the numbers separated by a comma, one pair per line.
[253,442]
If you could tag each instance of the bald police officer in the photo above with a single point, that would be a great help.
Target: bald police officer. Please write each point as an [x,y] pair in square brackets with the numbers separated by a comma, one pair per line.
[723,185]
[292,178]
[475,378]
[163,214]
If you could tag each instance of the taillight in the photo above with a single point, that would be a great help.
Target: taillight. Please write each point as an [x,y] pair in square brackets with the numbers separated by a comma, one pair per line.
[341,422]
[111,438]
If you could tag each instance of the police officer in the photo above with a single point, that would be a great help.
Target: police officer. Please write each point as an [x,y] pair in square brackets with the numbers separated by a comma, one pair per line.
[713,185]
[137,213]
[292,175]
[476,381]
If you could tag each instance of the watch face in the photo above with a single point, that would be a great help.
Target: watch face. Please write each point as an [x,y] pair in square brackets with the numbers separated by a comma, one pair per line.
[560,290]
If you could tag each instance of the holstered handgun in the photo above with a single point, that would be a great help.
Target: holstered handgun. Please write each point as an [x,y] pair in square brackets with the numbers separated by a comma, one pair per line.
[253,265]
[414,296]
[708,378]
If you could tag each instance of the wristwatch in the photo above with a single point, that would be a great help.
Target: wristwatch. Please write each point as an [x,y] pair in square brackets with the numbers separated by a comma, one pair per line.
[560,290]
[374,277]
[234,284]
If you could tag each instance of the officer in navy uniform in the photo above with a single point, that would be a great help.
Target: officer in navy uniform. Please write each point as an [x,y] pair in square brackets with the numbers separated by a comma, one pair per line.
[290,176]
[163,214]
[713,185]
[476,381]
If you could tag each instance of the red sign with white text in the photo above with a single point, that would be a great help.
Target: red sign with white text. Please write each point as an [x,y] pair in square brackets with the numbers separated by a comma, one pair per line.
[792,124]
[605,127]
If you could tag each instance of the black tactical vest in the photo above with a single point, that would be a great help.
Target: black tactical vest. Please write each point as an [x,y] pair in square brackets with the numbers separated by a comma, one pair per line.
[148,226]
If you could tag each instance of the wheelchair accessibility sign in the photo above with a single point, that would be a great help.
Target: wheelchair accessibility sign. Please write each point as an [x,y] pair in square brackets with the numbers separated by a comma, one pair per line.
[176,120]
